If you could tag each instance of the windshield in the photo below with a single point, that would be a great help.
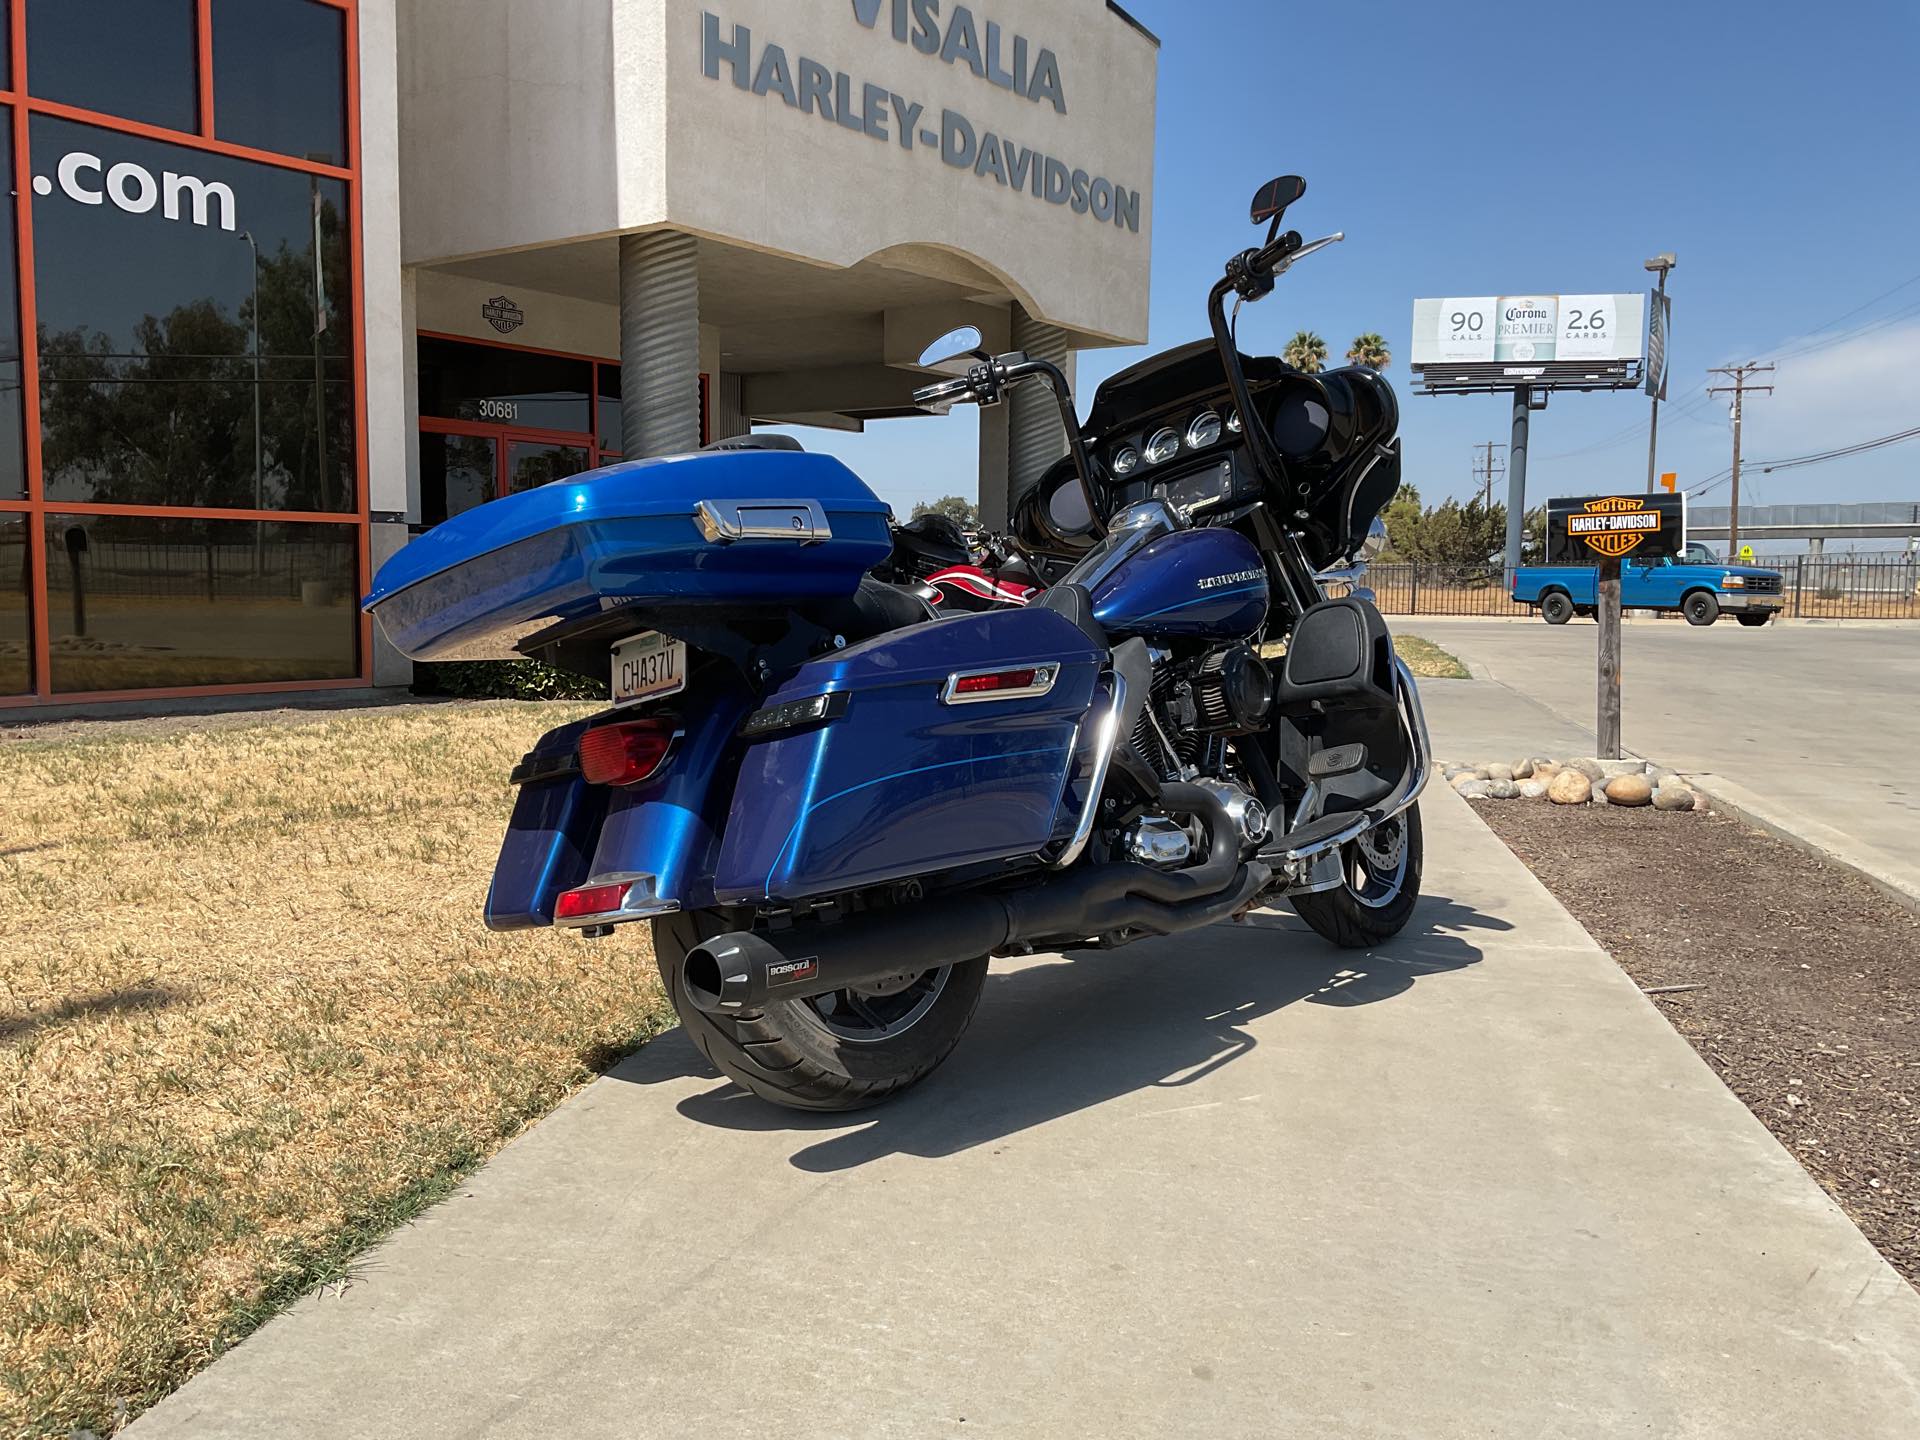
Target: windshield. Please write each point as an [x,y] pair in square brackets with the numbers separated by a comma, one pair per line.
[1130,530]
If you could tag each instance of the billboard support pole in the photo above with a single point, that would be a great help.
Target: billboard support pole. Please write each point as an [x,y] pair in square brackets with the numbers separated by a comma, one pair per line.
[1517,479]
[1607,726]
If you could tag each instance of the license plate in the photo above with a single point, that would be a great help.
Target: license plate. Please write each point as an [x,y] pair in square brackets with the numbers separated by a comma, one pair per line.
[648,666]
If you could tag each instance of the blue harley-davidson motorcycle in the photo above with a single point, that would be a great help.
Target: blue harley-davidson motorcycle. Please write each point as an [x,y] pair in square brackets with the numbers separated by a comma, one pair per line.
[836,809]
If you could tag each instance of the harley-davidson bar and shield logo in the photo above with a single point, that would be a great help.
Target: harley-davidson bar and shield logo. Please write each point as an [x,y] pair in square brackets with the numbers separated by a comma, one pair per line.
[503,314]
[1610,527]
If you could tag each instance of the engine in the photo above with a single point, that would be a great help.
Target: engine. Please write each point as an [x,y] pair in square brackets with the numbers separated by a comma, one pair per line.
[1224,692]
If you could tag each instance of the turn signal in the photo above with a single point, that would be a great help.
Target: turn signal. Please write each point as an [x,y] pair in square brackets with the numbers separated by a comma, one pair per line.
[970,685]
[624,754]
[590,900]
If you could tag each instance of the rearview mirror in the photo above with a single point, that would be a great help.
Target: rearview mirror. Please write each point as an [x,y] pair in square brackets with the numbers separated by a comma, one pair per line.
[954,351]
[1271,200]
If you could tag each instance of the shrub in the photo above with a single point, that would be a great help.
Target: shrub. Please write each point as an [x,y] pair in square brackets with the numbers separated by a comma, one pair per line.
[504,680]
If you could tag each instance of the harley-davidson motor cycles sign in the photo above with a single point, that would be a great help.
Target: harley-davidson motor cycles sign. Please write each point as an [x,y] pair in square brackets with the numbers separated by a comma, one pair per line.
[1588,530]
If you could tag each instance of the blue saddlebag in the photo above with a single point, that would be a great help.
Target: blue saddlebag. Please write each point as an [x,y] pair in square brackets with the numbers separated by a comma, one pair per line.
[903,782]
[550,842]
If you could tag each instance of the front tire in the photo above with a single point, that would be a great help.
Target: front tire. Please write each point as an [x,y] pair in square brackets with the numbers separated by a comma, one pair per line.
[1700,608]
[1556,608]
[831,1052]
[1381,885]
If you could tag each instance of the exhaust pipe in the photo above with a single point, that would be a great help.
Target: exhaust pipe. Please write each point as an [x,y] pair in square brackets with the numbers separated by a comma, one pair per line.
[743,971]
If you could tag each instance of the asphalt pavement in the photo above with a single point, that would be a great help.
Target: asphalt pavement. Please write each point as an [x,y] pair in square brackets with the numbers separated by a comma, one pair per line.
[1811,729]
[1235,1183]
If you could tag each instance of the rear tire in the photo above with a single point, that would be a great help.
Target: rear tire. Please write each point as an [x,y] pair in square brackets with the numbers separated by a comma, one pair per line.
[793,1052]
[1556,608]
[1700,608]
[1753,622]
[1377,900]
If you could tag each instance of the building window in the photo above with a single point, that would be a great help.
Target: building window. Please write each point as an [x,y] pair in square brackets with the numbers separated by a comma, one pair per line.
[494,385]
[16,608]
[280,77]
[196,333]
[133,58]
[13,467]
[136,602]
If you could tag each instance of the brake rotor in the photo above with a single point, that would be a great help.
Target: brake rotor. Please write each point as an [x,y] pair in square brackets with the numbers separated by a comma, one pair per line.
[1382,846]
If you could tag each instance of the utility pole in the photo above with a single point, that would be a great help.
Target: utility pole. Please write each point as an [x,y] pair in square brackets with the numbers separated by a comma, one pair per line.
[1487,469]
[1663,262]
[1739,389]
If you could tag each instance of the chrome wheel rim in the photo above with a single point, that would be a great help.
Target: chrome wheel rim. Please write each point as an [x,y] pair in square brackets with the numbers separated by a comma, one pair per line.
[870,1015]
[1377,864]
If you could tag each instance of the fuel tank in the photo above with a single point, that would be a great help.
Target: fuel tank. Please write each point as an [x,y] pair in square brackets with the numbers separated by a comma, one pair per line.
[1189,585]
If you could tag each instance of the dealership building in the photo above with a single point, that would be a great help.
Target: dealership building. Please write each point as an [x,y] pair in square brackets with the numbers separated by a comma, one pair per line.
[286,281]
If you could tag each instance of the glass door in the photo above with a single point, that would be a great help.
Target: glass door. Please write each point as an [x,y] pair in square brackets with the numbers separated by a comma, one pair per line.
[457,472]
[531,461]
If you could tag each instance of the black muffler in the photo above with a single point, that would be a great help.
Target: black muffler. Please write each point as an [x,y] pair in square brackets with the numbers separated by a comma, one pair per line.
[743,970]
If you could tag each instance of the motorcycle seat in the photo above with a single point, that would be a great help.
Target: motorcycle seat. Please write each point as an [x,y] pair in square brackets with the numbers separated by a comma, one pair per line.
[874,609]
[1076,604]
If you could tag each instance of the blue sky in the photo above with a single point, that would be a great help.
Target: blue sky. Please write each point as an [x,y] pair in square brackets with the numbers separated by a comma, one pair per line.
[1479,149]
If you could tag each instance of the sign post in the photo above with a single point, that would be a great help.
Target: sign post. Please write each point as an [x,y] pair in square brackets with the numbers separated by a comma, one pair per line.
[1603,530]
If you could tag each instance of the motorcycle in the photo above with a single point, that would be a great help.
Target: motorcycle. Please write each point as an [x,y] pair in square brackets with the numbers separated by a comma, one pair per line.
[834,810]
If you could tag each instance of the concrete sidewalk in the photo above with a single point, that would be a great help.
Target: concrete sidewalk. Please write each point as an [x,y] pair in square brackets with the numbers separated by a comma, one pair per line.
[1232,1184]
[1809,730]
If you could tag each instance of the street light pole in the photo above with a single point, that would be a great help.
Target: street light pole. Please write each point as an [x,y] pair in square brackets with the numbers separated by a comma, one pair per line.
[1662,263]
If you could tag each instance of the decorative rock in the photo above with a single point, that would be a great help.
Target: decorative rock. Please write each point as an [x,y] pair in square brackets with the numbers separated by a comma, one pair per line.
[1532,789]
[1472,789]
[1589,768]
[1464,779]
[1570,787]
[1613,769]
[1673,797]
[1662,776]
[1502,789]
[1629,790]
[1545,770]
[1499,772]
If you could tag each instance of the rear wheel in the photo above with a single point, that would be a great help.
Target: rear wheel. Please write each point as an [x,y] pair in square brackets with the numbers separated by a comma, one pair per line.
[1700,608]
[1752,621]
[1556,608]
[1380,887]
[838,1051]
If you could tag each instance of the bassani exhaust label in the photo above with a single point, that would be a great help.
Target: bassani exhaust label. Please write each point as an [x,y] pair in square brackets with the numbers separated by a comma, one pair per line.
[792,972]
[1609,527]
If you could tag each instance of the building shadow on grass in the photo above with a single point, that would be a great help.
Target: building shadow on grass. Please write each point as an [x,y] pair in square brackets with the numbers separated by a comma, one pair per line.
[1056,1037]
[85,1007]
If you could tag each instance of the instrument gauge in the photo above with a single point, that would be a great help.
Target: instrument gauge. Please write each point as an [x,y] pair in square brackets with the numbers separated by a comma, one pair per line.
[1164,445]
[1125,460]
[1204,431]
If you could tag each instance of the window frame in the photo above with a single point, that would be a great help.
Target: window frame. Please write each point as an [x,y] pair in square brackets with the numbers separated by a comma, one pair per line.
[20,108]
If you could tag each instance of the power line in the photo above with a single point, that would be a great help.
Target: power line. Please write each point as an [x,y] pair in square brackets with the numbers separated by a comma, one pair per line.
[1741,385]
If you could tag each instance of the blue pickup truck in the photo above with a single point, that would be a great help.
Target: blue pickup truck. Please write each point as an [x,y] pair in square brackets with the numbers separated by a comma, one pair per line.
[1697,585]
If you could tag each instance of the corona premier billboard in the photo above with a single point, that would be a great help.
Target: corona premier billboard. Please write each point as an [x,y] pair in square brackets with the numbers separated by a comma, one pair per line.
[1500,342]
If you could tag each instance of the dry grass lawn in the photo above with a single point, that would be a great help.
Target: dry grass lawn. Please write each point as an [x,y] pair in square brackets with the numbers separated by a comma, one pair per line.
[249,1020]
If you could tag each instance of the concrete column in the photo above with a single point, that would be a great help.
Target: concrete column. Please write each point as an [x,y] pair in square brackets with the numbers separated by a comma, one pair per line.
[729,411]
[659,344]
[994,502]
[1034,437]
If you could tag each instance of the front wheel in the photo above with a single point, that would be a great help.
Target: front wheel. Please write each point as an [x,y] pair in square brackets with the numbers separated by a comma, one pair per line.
[839,1051]
[1380,886]
[1700,608]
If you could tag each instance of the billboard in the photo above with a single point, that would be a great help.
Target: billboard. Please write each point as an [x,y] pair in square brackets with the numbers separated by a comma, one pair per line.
[1499,341]
[1589,529]
[1659,326]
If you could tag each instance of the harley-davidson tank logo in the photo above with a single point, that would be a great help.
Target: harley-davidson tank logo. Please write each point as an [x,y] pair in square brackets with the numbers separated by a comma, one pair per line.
[1238,577]
[503,314]
[1614,525]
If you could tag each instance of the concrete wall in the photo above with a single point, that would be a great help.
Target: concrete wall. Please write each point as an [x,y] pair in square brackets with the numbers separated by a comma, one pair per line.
[532,124]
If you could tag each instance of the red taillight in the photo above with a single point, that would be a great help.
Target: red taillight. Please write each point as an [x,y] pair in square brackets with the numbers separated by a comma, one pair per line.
[999,680]
[624,754]
[590,900]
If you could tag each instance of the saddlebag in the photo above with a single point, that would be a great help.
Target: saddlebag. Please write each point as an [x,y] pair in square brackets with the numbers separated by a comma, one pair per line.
[914,768]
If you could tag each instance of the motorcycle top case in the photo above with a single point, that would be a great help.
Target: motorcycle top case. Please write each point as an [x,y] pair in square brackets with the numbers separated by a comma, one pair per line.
[903,781]
[720,527]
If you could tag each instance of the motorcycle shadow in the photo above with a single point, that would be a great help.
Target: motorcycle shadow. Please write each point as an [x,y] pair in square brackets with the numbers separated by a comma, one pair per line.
[1056,1036]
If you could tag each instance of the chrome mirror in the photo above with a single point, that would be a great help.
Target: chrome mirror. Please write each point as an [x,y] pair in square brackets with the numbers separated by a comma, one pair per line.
[1375,542]
[954,351]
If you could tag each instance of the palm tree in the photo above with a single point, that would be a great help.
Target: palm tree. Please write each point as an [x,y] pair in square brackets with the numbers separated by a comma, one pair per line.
[1306,352]
[1370,350]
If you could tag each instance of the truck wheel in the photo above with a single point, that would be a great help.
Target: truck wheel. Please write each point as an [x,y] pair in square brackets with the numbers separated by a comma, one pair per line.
[840,1051]
[1556,608]
[1700,608]
[1754,620]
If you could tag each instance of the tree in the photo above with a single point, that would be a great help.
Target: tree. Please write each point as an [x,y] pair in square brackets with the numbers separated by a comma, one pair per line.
[963,513]
[1402,518]
[1371,351]
[1306,352]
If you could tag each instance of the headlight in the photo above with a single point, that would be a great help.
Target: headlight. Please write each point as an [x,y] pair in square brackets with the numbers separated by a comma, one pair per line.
[1162,447]
[1233,422]
[1204,431]
[1733,582]
[1125,460]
